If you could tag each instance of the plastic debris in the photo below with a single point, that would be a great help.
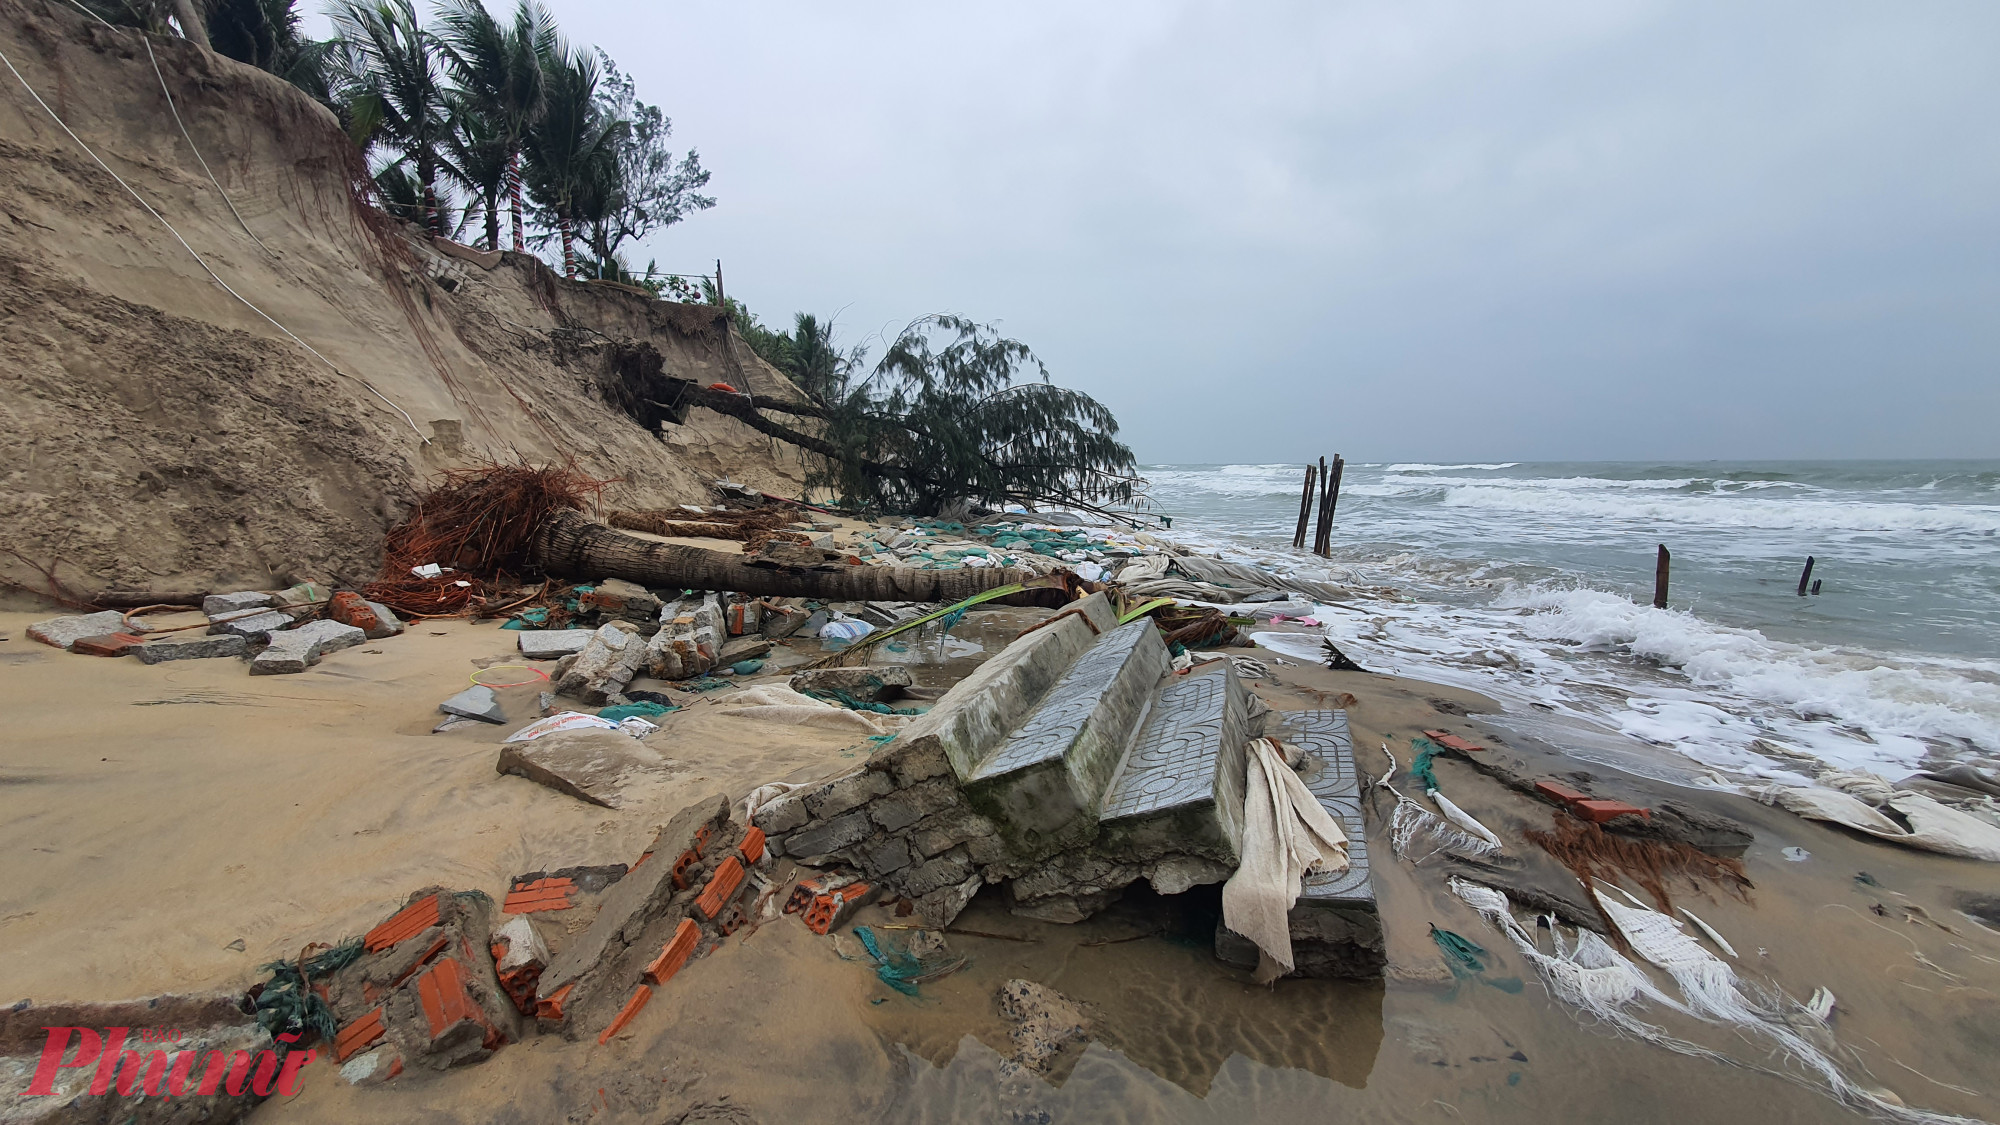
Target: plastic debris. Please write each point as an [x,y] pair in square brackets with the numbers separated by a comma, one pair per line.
[564,720]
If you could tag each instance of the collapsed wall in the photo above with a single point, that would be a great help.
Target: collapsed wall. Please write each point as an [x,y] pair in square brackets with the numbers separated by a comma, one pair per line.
[163,435]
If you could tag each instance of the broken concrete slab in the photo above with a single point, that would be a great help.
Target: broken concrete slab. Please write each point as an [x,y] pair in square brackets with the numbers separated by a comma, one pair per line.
[295,650]
[602,668]
[214,605]
[594,765]
[387,624]
[742,648]
[201,648]
[253,624]
[865,685]
[599,964]
[64,632]
[552,644]
[476,702]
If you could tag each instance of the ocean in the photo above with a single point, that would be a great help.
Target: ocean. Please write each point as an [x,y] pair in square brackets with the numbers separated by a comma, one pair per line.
[1532,582]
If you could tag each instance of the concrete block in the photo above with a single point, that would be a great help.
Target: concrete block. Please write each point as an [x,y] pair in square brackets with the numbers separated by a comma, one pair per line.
[868,685]
[552,644]
[476,702]
[835,834]
[782,815]
[845,793]
[892,854]
[217,604]
[387,624]
[64,632]
[898,810]
[607,662]
[203,648]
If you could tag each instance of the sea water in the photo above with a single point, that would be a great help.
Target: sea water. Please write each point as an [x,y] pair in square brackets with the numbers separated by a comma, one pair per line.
[1532,582]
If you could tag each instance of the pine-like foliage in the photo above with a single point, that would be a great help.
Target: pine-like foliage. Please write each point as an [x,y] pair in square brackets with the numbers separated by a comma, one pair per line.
[954,412]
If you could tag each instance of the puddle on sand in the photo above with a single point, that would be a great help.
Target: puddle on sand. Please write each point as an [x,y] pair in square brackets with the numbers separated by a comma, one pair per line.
[1162,1002]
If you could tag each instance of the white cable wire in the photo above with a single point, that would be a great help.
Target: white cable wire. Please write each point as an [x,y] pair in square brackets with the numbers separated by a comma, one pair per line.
[203,262]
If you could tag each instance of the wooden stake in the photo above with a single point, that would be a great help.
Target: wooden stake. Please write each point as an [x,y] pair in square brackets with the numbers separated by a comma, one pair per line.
[1660,577]
[1305,509]
[1805,576]
[1325,483]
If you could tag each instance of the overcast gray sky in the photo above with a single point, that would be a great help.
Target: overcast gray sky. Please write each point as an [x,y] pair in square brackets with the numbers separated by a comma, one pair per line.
[1262,231]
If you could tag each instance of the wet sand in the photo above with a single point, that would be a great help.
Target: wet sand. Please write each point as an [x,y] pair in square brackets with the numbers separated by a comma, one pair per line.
[153,815]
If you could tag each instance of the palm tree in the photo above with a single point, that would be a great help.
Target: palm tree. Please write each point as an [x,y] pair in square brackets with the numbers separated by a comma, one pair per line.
[570,143]
[392,86]
[498,72]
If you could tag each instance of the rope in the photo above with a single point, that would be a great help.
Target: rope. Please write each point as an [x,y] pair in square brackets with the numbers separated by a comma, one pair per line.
[175,110]
[192,252]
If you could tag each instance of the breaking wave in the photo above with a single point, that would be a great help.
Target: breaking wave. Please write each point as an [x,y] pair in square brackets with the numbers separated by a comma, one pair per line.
[1731,511]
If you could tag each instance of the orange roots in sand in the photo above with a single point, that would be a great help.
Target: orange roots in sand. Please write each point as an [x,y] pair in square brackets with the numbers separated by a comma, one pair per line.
[1592,853]
[479,523]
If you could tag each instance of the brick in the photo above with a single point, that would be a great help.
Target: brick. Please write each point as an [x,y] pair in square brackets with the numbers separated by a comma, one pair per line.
[626,1013]
[752,847]
[899,810]
[539,895]
[675,953]
[1559,793]
[835,834]
[1600,811]
[350,608]
[1452,742]
[550,1007]
[359,1035]
[442,996]
[408,922]
[685,867]
[721,888]
[829,911]
[943,871]
[111,644]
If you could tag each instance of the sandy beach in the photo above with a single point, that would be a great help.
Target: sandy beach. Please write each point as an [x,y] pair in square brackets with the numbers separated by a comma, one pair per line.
[158,814]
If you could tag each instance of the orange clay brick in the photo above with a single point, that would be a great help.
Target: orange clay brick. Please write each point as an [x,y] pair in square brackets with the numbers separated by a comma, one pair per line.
[626,1013]
[1600,811]
[441,993]
[408,922]
[721,886]
[688,861]
[362,1033]
[674,954]
[752,848]
[1559,793]
[1451,741]
[550,1007]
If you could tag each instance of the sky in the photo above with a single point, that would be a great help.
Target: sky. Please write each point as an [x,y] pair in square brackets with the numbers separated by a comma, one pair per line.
[1542,230]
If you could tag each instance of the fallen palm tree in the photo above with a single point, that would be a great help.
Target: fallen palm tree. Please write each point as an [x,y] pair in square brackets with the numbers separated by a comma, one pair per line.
[572,545]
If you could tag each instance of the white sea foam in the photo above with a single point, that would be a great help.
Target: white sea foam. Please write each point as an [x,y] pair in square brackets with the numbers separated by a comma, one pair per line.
[1419,467]
[1733,511]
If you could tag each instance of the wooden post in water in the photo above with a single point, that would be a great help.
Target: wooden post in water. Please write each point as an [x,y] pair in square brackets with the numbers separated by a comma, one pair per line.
[1805,576]
[1660,577]
[1333,498]
[1305,509]
[1325,490]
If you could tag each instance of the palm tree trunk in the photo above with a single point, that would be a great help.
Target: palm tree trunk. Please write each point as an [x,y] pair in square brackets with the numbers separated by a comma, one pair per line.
[187,13]
[572,544]
[492,202]
[514,202]
[568,246]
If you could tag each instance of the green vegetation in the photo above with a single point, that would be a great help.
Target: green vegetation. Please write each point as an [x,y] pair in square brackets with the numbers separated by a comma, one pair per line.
[469,118]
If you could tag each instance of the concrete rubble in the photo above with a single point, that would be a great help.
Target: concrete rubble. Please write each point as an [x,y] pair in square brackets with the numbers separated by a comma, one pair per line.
[476,702]
[590,765]
[64,632]
[295,650]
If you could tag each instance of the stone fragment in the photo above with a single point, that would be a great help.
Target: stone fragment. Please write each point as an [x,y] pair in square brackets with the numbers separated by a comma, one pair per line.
[215,605]
[594,765]
[256,624]
[476,702]
[782,621]
[1046,1023]
[550,644]
[387,624]
[743,648]
[782,815]
[938,908]
[607,662]
[865,685]
[202,648]
[295,650]
[64,632]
